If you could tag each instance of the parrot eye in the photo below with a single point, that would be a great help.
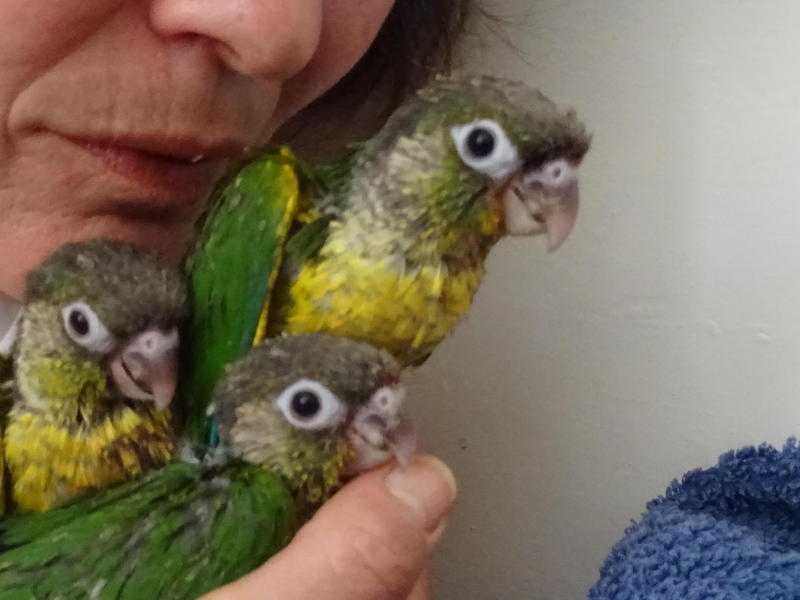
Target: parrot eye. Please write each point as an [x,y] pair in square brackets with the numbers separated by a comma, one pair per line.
[85,328]
[485,147]
[309,405]
[78,322]
[306,404]
[480,142]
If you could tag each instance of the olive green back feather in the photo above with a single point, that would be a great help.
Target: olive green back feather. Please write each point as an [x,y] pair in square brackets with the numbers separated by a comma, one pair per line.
[6,387]
[176,533]
[303,246]
[333,178]
[231,273]
[5,367]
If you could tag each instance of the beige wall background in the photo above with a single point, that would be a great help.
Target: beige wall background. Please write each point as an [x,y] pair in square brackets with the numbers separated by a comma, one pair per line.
[667,329]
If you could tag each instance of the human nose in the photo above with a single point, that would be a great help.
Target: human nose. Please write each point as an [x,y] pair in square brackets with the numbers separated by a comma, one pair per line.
[272,39]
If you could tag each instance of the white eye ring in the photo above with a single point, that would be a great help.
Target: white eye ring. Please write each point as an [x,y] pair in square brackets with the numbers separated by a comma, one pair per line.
[485,147]
[309,405]
[85,328]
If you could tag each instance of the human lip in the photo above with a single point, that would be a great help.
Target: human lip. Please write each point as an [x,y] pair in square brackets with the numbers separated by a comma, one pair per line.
[175,166]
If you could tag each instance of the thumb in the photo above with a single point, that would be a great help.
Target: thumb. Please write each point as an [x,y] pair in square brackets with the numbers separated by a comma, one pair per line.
[370,541]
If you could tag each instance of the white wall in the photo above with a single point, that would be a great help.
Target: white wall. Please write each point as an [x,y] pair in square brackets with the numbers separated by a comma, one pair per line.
[667,329]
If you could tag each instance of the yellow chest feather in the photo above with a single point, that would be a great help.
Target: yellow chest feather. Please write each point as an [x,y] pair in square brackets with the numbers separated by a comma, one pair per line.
[406,311]
[49,464]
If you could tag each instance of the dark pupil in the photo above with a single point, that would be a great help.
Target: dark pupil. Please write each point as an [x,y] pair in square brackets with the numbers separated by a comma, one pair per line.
[480,142]
[79,322]
[305,404]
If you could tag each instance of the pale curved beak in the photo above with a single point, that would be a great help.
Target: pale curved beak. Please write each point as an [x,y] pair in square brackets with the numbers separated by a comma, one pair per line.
[533,209]
[147,367]
[380,431]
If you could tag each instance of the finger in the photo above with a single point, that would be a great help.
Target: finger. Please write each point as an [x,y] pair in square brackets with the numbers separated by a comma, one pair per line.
[369,542]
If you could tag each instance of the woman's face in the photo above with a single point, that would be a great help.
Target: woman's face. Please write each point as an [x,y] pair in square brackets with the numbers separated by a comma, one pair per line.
[117,116]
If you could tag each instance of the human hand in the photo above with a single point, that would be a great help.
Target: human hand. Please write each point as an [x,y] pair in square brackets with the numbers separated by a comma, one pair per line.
[372,540]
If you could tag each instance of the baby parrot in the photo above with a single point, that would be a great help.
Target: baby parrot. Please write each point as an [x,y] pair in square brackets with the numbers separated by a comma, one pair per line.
[295,415]
[386,245]
[95,368]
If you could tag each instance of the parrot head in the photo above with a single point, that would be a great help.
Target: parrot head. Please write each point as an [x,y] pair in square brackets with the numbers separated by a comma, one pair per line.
[100,320]
[314,408]
[489,153]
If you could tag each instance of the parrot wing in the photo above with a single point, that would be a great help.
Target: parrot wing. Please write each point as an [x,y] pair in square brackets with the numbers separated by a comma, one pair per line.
[232,272]
[264,224]
[329,183]
[175,533]
[300,248]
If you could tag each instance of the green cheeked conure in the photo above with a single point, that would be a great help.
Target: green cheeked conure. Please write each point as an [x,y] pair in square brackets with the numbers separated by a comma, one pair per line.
[388,244]
[295,416]
[95,368]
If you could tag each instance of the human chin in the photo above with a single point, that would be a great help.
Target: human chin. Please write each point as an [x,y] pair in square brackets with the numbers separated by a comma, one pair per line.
[29,238]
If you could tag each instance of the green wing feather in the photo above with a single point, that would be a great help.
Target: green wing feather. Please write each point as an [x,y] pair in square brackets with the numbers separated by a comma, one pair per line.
[232,271]
[263,225]
[173,534]
[329,183]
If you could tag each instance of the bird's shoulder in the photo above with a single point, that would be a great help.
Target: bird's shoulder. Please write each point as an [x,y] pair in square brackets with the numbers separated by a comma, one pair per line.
[174,533]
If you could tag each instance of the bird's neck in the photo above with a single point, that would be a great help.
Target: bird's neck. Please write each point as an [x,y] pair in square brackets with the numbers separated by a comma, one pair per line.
[53,384]
[413,201]
[382,227]
[312,468]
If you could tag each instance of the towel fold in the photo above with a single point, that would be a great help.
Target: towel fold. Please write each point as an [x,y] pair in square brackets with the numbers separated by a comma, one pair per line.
[731,532]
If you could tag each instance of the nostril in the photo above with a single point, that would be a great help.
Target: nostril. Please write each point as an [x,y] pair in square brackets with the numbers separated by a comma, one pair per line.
[386,399]
[257,38]
[377,421]
[539,218]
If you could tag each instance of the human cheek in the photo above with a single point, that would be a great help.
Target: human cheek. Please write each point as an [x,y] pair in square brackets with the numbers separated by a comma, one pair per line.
[348,30]
[36,34]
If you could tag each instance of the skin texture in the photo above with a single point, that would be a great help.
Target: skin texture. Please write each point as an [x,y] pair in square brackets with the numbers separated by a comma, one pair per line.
[369,542]
[192,74]
[194,69]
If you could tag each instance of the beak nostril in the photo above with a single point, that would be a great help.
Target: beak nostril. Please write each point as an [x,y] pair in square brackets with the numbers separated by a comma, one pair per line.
[539,218]
[377,421]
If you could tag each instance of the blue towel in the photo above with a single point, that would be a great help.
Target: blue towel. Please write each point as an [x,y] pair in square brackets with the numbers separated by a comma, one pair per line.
[731,532]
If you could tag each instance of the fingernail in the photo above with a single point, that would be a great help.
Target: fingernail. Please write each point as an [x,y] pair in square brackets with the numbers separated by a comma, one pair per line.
[427,487]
